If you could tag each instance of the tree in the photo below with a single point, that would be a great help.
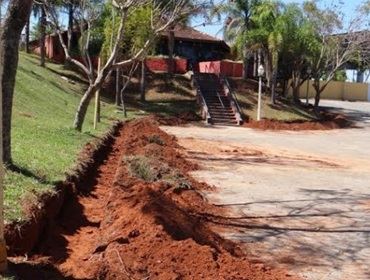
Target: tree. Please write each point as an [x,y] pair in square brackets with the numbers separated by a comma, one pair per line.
[89,10]
[336,48]
[266,36]
[27,31]
[10,33]
[299,44]
[238,21]
[39,11]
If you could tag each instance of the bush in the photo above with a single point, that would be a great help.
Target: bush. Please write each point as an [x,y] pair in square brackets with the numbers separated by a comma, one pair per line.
[156,139]
[140,167]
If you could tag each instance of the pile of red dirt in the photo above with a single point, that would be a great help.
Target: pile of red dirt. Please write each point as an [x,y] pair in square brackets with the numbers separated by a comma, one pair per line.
[327,122]
[120,226]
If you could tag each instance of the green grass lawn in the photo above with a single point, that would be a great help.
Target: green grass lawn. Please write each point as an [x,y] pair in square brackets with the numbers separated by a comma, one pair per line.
[283,110]
[44,145]
[164,96]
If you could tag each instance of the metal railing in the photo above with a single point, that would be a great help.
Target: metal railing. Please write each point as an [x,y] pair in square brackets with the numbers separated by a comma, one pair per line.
[226,81]
[219,98]
[205,111]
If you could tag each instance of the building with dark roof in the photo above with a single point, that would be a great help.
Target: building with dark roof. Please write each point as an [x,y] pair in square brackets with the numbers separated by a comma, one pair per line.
[194,45]
[190,44]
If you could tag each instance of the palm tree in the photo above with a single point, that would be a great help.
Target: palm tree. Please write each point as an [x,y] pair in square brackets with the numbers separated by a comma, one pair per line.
[27,31]
[171,33]
[239,20]
[71,7]
[1,14]
[39,11]
[267,35]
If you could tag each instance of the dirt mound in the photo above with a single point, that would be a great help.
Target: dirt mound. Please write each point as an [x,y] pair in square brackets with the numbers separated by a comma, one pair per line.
[329,121]
[128,224]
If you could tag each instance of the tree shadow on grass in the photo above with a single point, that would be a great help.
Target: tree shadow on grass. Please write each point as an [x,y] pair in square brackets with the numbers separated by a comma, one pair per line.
[73,77]
[167,108]
[28,173]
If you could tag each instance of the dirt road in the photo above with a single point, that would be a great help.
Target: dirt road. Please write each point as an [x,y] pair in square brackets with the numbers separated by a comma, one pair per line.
[299,200]
[139,215]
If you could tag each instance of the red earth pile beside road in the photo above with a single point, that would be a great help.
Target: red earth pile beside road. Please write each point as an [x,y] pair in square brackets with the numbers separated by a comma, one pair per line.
[328,122]
[125,227]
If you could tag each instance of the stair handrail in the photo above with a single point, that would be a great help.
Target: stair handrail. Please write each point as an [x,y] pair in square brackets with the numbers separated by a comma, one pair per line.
[219,97]
[234,99]
[232,93]
[205,113]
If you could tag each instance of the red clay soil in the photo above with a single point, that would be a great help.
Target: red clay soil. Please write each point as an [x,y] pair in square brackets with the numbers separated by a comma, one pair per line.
[329,121]
[123,227]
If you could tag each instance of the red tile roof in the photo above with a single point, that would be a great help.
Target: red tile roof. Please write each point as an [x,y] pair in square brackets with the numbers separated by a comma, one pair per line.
[190,34]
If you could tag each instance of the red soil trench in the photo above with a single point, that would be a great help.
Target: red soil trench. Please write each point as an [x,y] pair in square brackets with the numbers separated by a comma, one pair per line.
[328,122]
[124,227]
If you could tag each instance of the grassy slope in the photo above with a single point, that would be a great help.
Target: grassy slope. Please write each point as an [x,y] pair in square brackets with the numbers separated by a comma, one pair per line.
[283,110]
[165,96]
[44,145]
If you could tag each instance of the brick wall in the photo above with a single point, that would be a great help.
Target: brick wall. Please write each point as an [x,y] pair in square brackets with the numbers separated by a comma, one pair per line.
[224,67]
[160,64]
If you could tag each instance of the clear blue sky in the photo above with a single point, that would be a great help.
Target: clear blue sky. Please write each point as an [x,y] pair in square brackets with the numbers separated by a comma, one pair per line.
[348,7]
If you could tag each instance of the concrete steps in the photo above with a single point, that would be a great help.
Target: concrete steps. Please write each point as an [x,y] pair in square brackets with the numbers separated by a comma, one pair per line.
[218,104]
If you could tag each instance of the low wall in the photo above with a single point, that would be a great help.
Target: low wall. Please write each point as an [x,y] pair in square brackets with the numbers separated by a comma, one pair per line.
[160,64]
[338,91]
[223,67]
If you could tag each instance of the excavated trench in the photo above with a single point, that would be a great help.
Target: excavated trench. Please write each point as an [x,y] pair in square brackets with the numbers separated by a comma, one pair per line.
[134,213]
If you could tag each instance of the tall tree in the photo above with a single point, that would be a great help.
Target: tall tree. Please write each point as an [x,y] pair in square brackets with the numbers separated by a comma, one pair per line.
[10,33]
[299,44]
[88,14]
[336,48]
[267,35]
[27,33]
[238,21]
[40,13]
[12,27]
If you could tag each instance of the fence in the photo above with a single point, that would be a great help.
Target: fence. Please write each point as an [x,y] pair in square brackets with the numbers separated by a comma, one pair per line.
[338,91]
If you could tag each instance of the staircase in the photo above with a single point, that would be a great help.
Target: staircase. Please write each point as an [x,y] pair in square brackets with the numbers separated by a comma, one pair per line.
[216,100]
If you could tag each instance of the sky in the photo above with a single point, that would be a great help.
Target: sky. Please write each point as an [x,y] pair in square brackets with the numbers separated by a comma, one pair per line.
[349,8]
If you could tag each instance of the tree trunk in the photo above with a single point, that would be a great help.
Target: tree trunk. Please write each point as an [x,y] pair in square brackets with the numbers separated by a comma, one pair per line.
[255,64]
[317,99]
[268,68]
[117,86]
[28,36]
[245,64]
[246,58]
[171,47]
[285,88]
[10,33]
[42,37]
[316,85]
[142,81]
[296,99]
[82,108]
[273,86]
[123,104]
[19,12]
[70,26]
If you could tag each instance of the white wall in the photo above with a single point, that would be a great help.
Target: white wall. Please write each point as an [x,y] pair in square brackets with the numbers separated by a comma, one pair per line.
[352,76]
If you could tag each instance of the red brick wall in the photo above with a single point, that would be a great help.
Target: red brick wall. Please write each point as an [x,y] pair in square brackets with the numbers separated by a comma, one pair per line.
[210,67]
[159,64]
[238,69]
[226,68]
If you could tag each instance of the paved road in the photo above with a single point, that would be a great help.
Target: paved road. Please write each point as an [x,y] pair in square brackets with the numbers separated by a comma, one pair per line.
[300,200]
